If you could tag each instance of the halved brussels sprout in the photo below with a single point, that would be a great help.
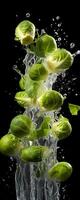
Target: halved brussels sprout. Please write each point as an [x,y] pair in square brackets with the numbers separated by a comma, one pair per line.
[33,153]
[23,99]
[58,61]
[62,128]
[21,125]
[50,100]
[9,144]
[38,72]
[43,45]
[25,32]
[74,109]
[60,171]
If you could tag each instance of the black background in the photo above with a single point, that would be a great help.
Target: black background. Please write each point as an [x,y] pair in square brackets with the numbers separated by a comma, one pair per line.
[8,85]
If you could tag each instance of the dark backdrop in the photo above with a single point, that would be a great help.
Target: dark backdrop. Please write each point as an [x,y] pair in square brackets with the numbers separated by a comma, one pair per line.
[9,54]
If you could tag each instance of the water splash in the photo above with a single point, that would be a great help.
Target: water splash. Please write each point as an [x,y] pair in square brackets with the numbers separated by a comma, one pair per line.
[31,179]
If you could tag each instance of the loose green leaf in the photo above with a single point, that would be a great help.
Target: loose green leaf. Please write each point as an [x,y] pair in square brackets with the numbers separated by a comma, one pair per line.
[74,109]
[22,82]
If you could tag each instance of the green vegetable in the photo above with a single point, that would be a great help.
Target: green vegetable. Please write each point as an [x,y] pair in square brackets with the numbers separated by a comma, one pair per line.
[43,45]
[21,125]
[60,171]
[50,100]
[58,61]
[25,32]
[22,82]
[42,131]
[23,99]
[33,88]
[38,72]
[74,109]
[33,153]
[62,128]
[9,144]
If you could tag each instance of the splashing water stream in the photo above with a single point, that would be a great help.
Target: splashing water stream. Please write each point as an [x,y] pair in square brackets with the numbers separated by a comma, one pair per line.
[30,179]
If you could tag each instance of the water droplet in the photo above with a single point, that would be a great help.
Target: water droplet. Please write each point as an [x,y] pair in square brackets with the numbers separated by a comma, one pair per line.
[43,31]
[76,94]
[72,45]
[56,33]
[58,17]
[59,39]
[62,157]
[77,53]
[73,79]
[16,15]
[59,25]
[11,158]
[66,36]
[53,19]
[51,25]
[27,15]
[9,94]
[3,180]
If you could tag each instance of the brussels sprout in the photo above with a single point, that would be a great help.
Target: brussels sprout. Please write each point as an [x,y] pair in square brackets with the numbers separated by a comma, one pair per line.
[74,109]
[50,100]
[31,87]
[23,99]
[38,72]
[9,144]
[60,171]
[43,45]
[42,131]
[20,125]
[33,153]
[25,32]
[58,61]
[62,128]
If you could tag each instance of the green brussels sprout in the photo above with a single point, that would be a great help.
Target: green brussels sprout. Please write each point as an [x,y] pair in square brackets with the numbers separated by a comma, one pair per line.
[62,128]
[74,109]
[23,99]
[32,88]
[50,100]
[60,171]
[21,125]
[33,153]
[42,131]
[38,72]
[25,32]
[43,45]
[9,144]
[58,61]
